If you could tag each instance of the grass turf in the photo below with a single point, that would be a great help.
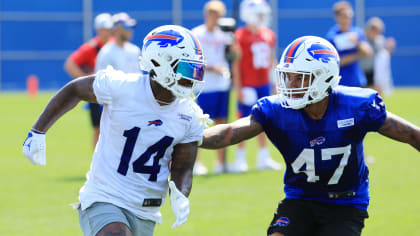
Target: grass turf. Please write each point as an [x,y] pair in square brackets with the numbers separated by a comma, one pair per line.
[35,200]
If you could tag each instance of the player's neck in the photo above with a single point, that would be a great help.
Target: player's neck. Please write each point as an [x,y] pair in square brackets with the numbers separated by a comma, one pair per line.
[252,28]
[161,95]
[119,42]
[316,111]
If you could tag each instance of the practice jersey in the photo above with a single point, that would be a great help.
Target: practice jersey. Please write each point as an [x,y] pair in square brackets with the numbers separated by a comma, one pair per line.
[257,55]
[130,165]
[214,46]
[325,158]
[351,74]
[124,58]
[85,56]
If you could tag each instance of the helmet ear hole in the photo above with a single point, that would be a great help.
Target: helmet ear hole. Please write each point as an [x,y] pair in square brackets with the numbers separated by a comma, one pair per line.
[329,79]
[155,63]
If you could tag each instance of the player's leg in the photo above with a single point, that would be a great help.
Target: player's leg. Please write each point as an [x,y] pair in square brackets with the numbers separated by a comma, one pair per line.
[264,160]
[139,226]
[103,219]
[95,117]
[115,229]
[293,218]
[240,164]
[340,220]
[206,104]
[220,117]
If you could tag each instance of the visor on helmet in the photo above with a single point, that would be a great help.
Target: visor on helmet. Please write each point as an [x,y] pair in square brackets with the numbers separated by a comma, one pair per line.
[191,70]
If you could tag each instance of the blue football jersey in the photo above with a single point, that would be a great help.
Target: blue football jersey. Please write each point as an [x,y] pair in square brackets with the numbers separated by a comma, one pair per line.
[324,158]
[351,74]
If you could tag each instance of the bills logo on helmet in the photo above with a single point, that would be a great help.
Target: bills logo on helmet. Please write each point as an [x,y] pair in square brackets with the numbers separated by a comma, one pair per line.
[165,38]
[322,53]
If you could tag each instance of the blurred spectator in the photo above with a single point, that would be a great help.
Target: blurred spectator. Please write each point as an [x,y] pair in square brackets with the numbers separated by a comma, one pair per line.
[214,97]
[378,68]
[119,52]
[251,72]
[351,45]
[82,62]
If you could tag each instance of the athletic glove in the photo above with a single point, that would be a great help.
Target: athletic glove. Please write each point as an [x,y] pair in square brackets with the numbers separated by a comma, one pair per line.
[34,148]
[180,205]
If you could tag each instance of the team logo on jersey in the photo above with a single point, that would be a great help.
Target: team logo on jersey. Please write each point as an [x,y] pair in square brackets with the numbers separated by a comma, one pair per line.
[155,122]
[164,38]
[317,141]
[283,221]
[322,53]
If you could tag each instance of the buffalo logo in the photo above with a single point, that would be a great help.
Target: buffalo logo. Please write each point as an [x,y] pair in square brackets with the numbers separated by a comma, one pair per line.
[317,141]
[165,38]
[283,221]
[322,53]
[155,122]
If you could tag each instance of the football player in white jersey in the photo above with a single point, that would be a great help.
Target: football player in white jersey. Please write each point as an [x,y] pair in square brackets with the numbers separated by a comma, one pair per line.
[150,128]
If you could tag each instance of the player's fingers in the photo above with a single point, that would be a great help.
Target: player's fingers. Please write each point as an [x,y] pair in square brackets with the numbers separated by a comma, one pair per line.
[41,157]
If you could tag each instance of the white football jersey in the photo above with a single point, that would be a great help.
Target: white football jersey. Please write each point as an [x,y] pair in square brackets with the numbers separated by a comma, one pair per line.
[124,58]
[130,165]
[213,44]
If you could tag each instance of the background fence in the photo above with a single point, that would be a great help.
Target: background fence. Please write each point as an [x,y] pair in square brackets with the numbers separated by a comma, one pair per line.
[37,36]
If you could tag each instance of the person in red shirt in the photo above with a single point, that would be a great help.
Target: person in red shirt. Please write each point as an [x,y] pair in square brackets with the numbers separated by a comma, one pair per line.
[82,62]
[251,72]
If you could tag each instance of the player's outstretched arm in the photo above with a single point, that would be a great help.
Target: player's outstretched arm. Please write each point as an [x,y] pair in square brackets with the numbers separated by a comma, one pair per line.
[401,130]
[223,135]
[66,99]
[183,158]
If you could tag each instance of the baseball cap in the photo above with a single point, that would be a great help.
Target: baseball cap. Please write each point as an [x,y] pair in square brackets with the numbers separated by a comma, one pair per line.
[103,21]
[123,19]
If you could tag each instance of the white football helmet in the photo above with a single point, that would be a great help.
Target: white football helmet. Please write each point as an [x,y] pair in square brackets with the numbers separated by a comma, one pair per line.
[171,53]
[255,12]
[317,61]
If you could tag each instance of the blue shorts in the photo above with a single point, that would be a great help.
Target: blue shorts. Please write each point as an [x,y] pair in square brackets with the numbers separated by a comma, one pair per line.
[263,91]
[215,104]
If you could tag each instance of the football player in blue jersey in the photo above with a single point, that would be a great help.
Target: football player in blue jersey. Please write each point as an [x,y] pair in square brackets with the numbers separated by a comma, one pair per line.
[319,129]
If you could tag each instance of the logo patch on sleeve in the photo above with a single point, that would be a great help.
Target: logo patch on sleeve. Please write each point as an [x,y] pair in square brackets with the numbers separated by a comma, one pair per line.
[282,221]
[345,123]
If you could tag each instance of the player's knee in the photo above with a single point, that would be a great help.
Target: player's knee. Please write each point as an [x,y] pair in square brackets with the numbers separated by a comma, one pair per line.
[276,234]
[115,229]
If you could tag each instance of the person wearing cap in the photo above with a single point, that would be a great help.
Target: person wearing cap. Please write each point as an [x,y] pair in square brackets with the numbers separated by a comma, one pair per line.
[82,62]
[119,52]
[214,97]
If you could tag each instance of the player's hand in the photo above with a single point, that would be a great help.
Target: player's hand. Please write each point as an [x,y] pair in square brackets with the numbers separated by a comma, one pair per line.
[34,148]
[180,205]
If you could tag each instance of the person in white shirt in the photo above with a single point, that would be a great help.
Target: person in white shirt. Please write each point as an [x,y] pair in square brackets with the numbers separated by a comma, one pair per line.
[119,52]
[150,128]
[214,97]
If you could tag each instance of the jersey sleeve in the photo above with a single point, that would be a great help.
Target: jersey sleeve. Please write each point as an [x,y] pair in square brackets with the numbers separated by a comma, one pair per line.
[107,84]
[260,111]
[373,113]
[195,132]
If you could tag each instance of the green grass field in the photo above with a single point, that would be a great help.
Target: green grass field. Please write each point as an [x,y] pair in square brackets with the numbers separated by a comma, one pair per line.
[35,200]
